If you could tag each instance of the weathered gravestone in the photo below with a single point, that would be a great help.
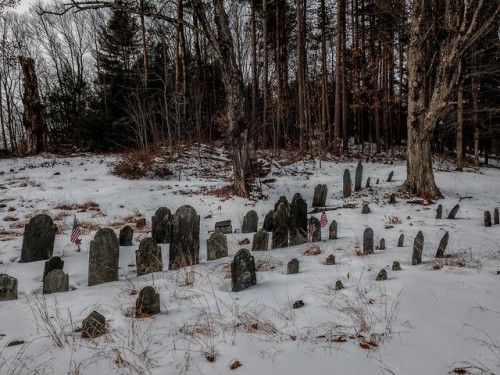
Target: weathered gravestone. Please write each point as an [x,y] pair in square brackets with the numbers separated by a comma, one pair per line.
[224,227]
[382,275]
[339,285]
[401,240]
[292,267]
[38,239]
[217,246]
[392,199]
[54,263]
[316,237]
[93,325]
[56,281]
[439,212]
[358,176]
[396,266]
[381,245]
[333,230]
[320,193]
[185,239]
[250,222]
[496,218]
[368,182]
[161,225]
[346,191]
[366,208]
[280,227]
[298,220]
[487,219]
[268,221]
[453,212]
[283,200]
[368,241]
[8,287]
[260,240]
[148,258]
[104,256]
[148,302]
[391,175]
[418,247]
[442,245]
[126,235]
[330,260]
[243,271]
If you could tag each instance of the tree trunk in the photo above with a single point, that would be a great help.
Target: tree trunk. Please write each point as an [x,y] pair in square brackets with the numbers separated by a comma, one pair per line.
[459,131]
[338,78]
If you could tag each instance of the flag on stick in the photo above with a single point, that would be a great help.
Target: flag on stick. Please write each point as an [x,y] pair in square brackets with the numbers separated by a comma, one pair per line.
[75,233]
[323,220]
[312,230]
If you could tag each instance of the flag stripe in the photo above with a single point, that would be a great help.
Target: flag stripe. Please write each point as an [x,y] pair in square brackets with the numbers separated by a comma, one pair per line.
[75,233]
[324,220]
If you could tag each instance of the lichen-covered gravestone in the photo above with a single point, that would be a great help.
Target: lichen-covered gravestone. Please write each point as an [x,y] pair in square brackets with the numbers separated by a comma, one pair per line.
[358,176]
[268,221]
[104,257]
[382,275]
[260,240]
[56,281]
[330,260]
[319,197]
[439,212]
[8,287]
[93,325]
[453,212]
[396,266]
[487,219]
[418,247]
[54,263]
[148,302]
[126,235]
[160,225]
[185,243]
[292,267]
[250,222]
[38,239]
[281,227]
[442,245]
[243,271]
[217,246]
[366,208]
[401,240]
[333,230]
[283,200]
[347,188]
[298,220]
[368,241]
[148,258]
[317,231]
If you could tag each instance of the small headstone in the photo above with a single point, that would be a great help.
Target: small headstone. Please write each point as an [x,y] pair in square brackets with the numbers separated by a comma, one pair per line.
[282,199]
[401,240]
[224,227]
[260,240]
[8,287]
[268,221]
[368,182]
[366,208]
[487,219]
[93,325]
[56,281]
[391,175]
[333,230]
[38,239]
[330,260]
[216,246]
[250,222]
[298,220]
[381,245]
[358,176]
[148,258]
[442,245]
[418,247]
[243,271]
[382,275]
[496,218]
[292,267]
[185,238]
[148,302]
[54,263]
[439,212]
[280,227]
[392,199]
[339,285]
[126,236]
[368,241]
[346,191]
[103,257]
[160,225]
[453,212]
[320,193]
[378,181]
[317,232]
[298,304]
[396,266]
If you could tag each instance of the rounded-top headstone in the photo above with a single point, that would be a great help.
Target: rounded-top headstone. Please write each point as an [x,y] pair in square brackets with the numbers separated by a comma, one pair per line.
[8,287]
[54,263]
[160,225]
[185,238]
[250,222]
[243,271]
[217,246]
[56,281]
[368,241]
[148,302]
[38,239]
[148,257]
[126,236]
[103,257]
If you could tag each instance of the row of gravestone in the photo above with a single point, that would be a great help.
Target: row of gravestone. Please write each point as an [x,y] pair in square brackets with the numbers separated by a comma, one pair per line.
[487,217]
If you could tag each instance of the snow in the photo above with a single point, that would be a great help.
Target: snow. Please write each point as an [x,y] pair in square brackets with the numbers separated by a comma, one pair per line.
[438,317]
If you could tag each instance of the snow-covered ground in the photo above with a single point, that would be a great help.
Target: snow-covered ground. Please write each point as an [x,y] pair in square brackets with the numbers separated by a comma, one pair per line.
[439,317]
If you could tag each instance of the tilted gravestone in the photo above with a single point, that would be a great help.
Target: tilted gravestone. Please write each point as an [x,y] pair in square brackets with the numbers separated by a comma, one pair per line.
[382,275]
[487,219]
[396,266]
[38,239]
[243,271]
[185,239]
[268,221]
[148,302]
[346,191]
[368,241]
[391,175]
[292,267]
[160,225]
[401,240]
[333,230]
[439,212]
[104,257]
[319,197]
[453,212]
[358,176]
[298,220]
[418,247]
[56,281]
[442,245]
[8,287]
[126,235]
[148,258]
[281,227]
[250,222]
[496,217]
[93,325]
[54,263]
[317,231]
[260,240]
[224,227]
[216,246]
[381,245]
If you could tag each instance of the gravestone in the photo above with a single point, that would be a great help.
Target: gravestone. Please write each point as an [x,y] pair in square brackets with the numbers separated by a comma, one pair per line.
[8,287]
[292,267]
[358,176]
[103,257]
[54,263]
[453,212]
[401,240]
[442,245]
[216,246]
[280,227]
[396,266]
[148,258]
[93,325]
[439,212]
[381,245]
[487,219]
[126,235]
[320,193]
[242,271]
[368,182]
[333,230]
[496,218]
[368,241]
[185,238]
[317,232]
[224,227]
[38,239]
[298,304]
[382,275]
[56,281]
[366,208]
[298,220]
[282,199]
[260,240]
[418,247]
[391,175]
[346,190]
[339,285]
[148,302]
[392,199]
[161,224]
[268,221]
[330,260]
[250,222]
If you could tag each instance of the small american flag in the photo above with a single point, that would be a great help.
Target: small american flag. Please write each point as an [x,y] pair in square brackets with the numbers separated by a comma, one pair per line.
[323,220]
[75,233]
[312,230]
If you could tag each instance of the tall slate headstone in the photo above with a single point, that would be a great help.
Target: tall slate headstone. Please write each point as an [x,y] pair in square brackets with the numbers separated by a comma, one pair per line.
[268,221]
[216,246]
[38,239]
[148,258]
[148,302]
[104,257]
[439,212]
[346,190]
[368,241]
[56,281]
[250,222]
[243,271]
[54,263]
[260,240]
[317,232]
[453,212]
[126,235]
[281,227]
[487,218]
[442,245]
[298,220]
[333,230]
[391,175]
[401,240]
[160,225]
[320,193]
[418,247]
[496,217]
[185,240]
[358,178]
[8,287]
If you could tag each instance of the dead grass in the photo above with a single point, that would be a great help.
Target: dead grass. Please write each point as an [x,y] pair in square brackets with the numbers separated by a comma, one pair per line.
[313,250]
[394,220]
[10,218]
[83,207]
[142,163]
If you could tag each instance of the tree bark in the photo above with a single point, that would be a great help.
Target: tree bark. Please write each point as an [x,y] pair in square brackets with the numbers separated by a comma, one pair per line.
[459,131]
